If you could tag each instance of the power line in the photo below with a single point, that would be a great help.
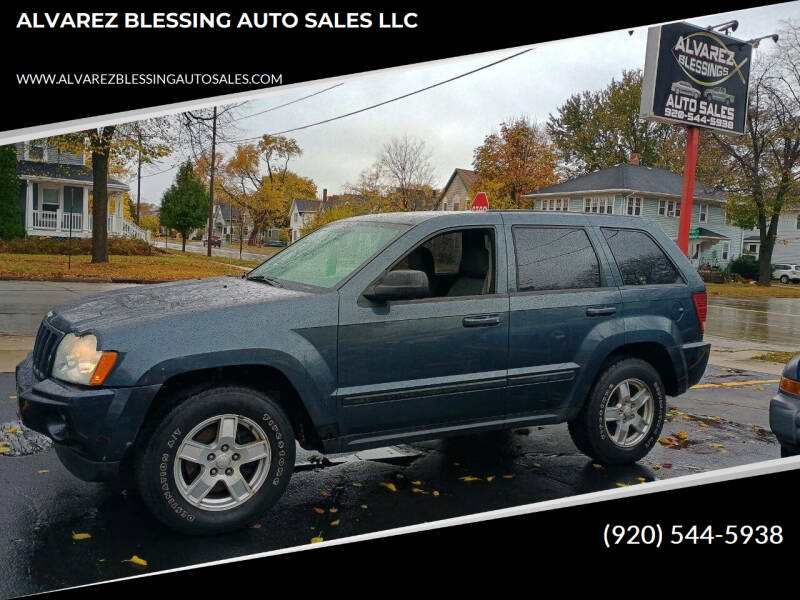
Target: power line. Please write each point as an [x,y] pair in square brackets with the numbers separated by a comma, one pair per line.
[395,99]
[288,103]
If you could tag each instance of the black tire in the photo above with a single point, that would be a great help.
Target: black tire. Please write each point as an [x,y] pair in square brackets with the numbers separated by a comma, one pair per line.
[589,431]
[784,279]
[155,460]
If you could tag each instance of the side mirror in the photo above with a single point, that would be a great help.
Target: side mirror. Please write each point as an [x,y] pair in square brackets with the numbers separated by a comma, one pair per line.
[399,285]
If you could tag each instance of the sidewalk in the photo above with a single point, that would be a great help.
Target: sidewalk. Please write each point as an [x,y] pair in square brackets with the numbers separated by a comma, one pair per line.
[13,348]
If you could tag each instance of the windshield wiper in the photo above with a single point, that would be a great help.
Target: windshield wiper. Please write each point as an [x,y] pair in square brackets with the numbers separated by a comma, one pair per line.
[263,278]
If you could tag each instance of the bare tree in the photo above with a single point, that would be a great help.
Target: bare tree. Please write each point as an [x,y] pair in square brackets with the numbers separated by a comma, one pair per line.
[406,164]
[763,164]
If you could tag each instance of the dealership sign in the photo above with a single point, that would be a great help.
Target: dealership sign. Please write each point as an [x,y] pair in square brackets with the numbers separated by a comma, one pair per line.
[694,76]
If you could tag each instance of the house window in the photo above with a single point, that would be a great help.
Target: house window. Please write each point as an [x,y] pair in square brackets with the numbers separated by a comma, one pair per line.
[603,206]
[797,222]
[50,201]
[669,209]
[704,213]
[455,206]
[560,204]
[635,207]
[726,247]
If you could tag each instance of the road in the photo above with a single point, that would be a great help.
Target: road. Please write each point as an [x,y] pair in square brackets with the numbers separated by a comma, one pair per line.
[774,321]
[223,252]
[43,505]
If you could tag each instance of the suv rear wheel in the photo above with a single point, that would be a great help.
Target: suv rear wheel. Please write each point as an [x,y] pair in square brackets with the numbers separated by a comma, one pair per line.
[216,461]
[784,279]
[622,418]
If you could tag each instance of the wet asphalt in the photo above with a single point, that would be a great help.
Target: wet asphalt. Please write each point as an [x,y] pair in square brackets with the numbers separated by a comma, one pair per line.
[43,505]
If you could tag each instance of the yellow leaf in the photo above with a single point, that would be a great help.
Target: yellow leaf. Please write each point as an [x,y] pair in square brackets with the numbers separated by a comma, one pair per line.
[490,478]
[665,441]
[256,526]
[598,466]
[334,510]
[357,484]
[12,397]
[40,471]
[4,449]
[335,523]
[622,484]
[656,467]
[81,536]
[389,486]
[469,478]
[509,476]
[364,506]
[316,540]
[13,430]
[326,493]
[416,482]
[400,476]
[135,560]
[537,464]
[641,479]
[319,511]
[702,424]
[417,490]
[682,435]
[435,492]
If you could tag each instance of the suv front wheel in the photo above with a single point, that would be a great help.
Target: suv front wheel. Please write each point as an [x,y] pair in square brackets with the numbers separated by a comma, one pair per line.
[215,461]
[622,418]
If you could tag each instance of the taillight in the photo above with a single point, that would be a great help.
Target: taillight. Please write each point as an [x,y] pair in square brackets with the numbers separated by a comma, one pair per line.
[701,308]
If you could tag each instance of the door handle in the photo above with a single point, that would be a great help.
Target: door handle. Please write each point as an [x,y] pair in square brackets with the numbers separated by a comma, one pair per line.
[599,311]
[481,321]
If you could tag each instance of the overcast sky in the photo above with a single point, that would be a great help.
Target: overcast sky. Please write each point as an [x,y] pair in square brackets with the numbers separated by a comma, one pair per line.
[454,118]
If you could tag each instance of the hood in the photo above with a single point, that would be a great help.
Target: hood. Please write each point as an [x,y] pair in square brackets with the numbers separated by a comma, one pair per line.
[145,302]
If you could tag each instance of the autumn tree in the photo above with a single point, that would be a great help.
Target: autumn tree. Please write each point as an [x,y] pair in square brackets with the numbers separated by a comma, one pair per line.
[108,146]
[517,160]
[761,167]
[184,205]
[600,129]
[11,224]
[406,165]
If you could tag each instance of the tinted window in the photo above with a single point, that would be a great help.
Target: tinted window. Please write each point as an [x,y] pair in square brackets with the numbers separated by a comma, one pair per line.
[555,258]
[640,260]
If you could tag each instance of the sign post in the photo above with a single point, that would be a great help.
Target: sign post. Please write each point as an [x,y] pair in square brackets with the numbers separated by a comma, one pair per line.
[696,77]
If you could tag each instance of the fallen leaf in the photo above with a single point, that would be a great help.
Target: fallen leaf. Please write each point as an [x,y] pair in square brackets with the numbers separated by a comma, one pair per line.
[319,511]
[400,476]
[416,482]
[641,479]
[598,466]
[490,478]
[326,493]
[435,492]
[469,478]
[12,397]
[81,536]
[135,560]
[334,510]
[665,441]
[256,526]
[14,430]
[364,506]
[509,476]
[40,471]
[417,490]
[619,484]
[656,467]
[667,465]
[682,435]
[389,486]
[358,484]
[316,540]
[335,523]
[537,464]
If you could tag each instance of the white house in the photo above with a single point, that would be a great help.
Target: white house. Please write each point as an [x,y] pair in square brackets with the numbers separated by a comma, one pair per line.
[787,244]
[301,212]
[55,194]
[652,193]
[229,221]
[456,192]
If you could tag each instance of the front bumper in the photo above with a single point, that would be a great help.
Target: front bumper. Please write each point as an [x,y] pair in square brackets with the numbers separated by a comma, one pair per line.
[784,420]
[92,428]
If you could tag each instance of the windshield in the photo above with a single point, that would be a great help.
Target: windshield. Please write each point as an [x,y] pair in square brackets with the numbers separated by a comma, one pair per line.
[328,255]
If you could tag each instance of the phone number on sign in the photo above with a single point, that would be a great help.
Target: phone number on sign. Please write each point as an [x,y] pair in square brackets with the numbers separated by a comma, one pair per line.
[696,118]
[654,535]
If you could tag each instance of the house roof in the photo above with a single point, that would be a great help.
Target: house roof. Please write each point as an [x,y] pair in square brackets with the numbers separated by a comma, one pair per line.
[77,173]
[466,176]
[306,205]
[630,179]
[708,234]
[753,238]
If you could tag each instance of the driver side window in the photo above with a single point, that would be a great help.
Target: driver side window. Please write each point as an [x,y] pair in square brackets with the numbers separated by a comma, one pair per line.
[457,263]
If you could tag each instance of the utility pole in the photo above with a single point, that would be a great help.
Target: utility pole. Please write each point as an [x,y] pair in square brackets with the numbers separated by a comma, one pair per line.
[211,191]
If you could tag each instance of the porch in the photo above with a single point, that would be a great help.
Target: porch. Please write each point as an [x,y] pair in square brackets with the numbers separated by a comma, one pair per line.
[59,210]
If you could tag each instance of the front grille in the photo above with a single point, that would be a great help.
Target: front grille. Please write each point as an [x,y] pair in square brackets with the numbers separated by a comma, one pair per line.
[44,349]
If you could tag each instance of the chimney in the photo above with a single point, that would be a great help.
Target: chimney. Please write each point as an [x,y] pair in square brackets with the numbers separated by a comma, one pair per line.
[635,156]
[324,195]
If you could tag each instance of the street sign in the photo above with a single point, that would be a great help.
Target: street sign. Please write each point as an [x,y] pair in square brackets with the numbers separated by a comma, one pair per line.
[694,233]
[481,202]
[696,77]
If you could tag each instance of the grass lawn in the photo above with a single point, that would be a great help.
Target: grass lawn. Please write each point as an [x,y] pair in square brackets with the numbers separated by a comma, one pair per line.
[776,290]
[157,267]
[219,259]
[778,357]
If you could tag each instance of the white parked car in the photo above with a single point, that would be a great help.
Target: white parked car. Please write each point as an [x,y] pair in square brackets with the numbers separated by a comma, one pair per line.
[786,273]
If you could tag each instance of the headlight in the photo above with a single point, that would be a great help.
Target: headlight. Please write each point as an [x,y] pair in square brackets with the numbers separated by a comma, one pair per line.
[78,360]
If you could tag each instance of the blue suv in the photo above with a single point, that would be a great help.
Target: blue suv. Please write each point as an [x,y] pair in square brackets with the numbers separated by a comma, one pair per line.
[371,331]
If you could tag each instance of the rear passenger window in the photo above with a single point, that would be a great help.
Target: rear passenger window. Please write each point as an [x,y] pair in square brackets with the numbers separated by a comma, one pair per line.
[640,260]
[555,258]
